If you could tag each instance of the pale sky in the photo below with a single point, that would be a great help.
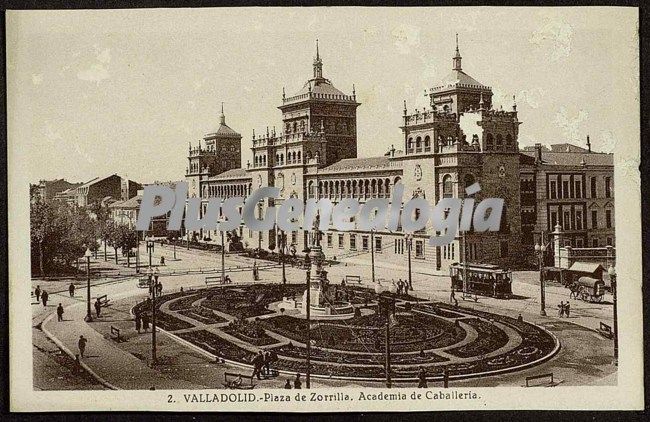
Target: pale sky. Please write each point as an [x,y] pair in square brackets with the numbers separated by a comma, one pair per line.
[92,93]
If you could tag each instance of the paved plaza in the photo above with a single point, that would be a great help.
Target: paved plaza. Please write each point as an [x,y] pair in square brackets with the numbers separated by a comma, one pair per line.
[125,364]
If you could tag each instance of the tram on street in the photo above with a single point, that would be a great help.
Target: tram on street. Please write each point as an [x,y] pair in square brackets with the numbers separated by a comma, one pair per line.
[482,279]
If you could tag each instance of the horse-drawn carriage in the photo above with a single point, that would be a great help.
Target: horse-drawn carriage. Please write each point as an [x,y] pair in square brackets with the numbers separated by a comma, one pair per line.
[588,289]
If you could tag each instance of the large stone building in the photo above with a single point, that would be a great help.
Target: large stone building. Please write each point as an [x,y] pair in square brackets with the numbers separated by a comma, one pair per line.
[457,141]
[570,186]
[46,190]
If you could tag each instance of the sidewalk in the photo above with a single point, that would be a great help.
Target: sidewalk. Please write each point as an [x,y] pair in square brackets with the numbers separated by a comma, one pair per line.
[115,368]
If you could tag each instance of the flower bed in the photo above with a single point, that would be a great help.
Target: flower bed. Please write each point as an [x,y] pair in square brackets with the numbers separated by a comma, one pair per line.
[165,321]
[185,302]
[203,315]
[413,332]
[436,310]
[490,338]
[249,331]
[249,301]
[218,346]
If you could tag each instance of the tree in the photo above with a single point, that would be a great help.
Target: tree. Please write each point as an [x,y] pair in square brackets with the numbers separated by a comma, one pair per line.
[59,234]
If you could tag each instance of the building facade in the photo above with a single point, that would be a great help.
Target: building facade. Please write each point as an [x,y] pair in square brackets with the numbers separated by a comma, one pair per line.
[458,140]
[570,186]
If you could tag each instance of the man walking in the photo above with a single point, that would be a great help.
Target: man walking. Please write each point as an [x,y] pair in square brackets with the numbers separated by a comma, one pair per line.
[560,312]
[567,308]
[258,361]
[82,345]
[37,292]
[98,307]
[59,312]
[71,289]
[44,297]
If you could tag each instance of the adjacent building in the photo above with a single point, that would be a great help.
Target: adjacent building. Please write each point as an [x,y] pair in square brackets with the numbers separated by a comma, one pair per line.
[47,190]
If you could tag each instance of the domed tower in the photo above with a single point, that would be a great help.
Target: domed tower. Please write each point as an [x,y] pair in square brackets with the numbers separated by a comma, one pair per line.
[458,92]
[217,152]
[319,107]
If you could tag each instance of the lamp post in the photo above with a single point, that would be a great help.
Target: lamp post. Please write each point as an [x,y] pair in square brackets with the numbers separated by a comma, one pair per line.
[379,289]
[137,254]
[372,253]
[283,244]
[409,246]
[612,277]
[154,359]
[307,307]
[540,249]
[150,245]
[89,316]
[223,257]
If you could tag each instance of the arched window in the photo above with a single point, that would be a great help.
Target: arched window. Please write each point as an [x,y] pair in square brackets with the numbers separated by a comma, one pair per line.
[447,187]
[499,141]
[509,141]
[281,159]
[427,143]
[277,158]
[409,145]
[418,144]
[489,142]
[295,126]
[298,156]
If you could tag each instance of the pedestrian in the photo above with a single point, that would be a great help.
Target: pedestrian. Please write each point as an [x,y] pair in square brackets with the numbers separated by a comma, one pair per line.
[520,318]
[297,383]
[567,309]
[159,288]
[342,282]
[162,260]
[98,307]
[59,312]
[560,309]
[82,345]
[71,289]
[267,363]
[44,297]
[145,322]
[258,361]
[452,296]
[138,321]
[37,292]
[422,378]
[287,385]
[182,292]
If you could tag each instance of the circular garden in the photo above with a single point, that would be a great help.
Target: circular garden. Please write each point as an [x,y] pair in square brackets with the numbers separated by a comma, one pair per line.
[233,322]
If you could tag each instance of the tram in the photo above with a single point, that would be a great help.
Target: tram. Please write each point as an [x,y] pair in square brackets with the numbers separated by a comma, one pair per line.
[482,279]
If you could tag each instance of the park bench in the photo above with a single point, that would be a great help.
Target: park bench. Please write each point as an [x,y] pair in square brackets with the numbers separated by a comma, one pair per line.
[606,330]
[232,380]
[104,301]
[213,279]
[349,278]
[538,377]
[115,333]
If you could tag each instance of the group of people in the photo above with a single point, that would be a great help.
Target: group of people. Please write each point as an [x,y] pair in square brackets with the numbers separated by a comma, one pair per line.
[262,363]
[142,321]
[297,384]
[157,285]
[402,287]
[563,309]
[41,295]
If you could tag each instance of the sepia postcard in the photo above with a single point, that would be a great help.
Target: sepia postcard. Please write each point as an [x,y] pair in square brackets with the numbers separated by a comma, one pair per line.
[324,209]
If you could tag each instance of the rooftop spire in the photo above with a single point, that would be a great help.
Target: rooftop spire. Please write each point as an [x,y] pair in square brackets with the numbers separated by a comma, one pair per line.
[318,64]
[223,116]
[457,58]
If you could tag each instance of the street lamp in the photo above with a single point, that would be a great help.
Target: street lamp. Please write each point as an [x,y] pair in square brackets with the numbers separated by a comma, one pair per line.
[89,316]
[372,253]
[409,246]
[307,307]
[612,277]
[379,289]
[150,245]
[540,249]
[155,274]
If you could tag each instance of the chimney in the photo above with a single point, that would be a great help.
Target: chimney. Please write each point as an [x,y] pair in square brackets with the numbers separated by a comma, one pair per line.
[538,153]
[588,144]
